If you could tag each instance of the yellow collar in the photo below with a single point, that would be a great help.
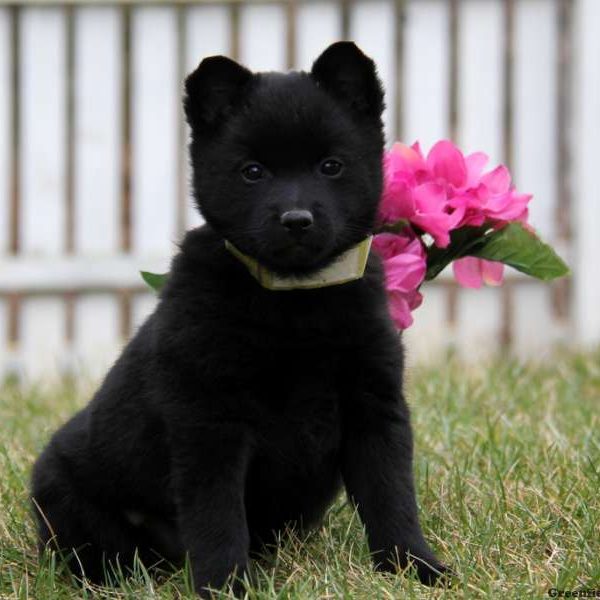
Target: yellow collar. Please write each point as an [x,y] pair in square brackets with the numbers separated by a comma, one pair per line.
[348,266]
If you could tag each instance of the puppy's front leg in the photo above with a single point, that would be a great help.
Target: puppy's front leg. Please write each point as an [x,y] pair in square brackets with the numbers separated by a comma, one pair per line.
[377,466]
[209,472]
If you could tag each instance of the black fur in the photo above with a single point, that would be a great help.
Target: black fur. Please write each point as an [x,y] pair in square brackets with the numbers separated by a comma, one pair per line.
[235,410]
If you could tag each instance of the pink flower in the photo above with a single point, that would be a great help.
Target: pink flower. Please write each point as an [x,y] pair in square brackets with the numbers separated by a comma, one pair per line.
[431,214]
[447,190]
[472,272]
[404,264]
[415,190]
[494,200]
[437,194]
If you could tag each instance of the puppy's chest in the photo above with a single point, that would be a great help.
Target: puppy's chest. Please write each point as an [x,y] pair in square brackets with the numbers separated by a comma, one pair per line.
[297,398]
[299,426]
[294,376]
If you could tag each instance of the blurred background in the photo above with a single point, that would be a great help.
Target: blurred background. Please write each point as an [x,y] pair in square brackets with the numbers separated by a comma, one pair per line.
[94,175]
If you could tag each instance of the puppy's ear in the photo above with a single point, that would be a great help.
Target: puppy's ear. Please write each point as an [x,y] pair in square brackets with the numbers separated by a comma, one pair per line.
[351,77]
[212,90]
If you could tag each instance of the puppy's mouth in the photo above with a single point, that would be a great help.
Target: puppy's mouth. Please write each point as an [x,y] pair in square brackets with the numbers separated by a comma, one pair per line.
[285,254]
[295,255]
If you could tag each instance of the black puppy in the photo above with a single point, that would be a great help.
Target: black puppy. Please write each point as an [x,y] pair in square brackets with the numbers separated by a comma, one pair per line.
[236,409]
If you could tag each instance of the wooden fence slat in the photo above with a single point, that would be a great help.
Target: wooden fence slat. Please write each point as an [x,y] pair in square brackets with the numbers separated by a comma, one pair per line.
[586,209]
[535,148]
[97,334]
[156,98]
[142,305]
[480,78]
[5,127]
[98,156]
[372,28]
[317,26]
[535,331]
[42,160]
[478,322]
[42,345]
[208,33]
[97,131]
[426,74]
[8,180]
[428,338]
[4,345]
[262,42]
[42,177]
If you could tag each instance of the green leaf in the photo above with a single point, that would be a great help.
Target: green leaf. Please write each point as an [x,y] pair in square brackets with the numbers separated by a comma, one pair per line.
[155,280]
[462,241]
[513,245]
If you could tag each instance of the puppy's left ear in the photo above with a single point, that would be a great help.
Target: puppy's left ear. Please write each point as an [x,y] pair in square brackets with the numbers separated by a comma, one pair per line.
[351,77]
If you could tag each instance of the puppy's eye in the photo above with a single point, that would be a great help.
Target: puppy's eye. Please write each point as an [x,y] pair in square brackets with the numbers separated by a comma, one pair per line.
[331,167]
[253,172]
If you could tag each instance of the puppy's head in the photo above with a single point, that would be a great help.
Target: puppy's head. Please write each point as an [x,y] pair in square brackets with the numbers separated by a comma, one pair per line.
[287,167]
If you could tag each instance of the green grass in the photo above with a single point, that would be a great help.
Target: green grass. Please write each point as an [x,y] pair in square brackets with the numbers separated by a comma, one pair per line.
[508,472]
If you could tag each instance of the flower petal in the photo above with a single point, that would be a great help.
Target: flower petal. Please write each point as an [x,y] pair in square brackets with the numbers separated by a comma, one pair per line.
[407,158]
[492,272]
[429,198]
[475,163]
[388,245]
[400,310]
[417,148]
[468,272]
[396,202]
[508,207]
[446,162]
[404,272]
[498,180]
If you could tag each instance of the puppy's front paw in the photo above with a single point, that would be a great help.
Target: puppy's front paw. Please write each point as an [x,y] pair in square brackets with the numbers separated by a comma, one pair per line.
[206,584]
[427,567]
[432,572]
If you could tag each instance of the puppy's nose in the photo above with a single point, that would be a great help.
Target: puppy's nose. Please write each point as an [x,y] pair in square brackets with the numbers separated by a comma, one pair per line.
[296,221]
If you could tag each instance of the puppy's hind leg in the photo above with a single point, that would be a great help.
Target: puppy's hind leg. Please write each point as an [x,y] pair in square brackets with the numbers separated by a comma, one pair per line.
[90,537]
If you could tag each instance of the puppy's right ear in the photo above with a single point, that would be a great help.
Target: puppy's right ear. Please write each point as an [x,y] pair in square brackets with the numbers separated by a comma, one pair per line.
[212,90]
[351,77]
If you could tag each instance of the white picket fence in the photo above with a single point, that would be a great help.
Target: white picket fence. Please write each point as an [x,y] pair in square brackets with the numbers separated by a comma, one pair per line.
[93,176]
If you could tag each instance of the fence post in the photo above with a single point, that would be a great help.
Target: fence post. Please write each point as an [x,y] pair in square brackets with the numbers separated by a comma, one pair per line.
[586,136]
